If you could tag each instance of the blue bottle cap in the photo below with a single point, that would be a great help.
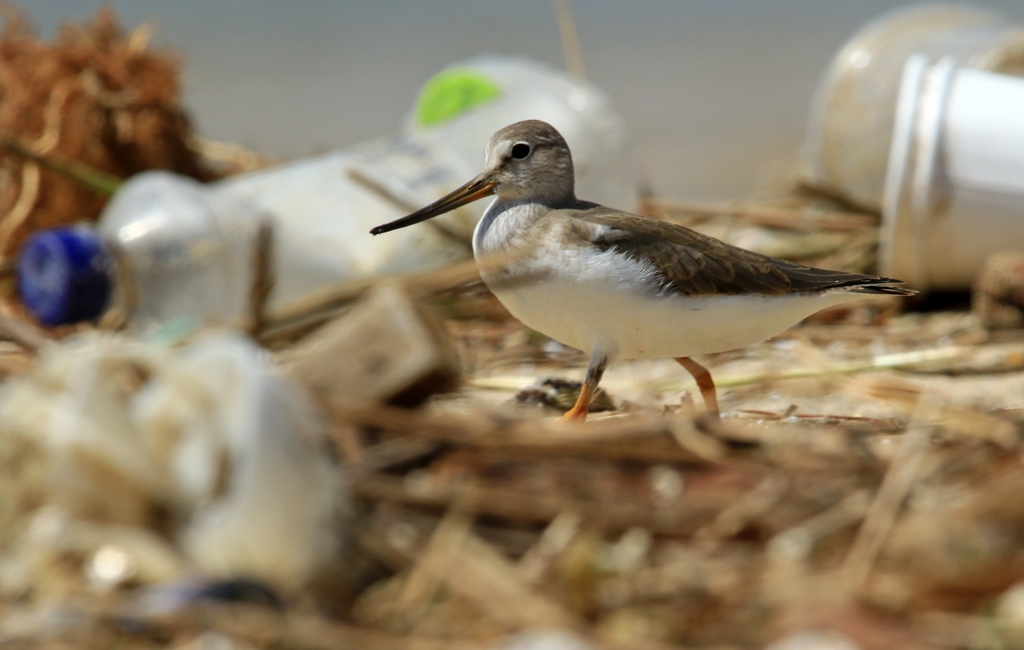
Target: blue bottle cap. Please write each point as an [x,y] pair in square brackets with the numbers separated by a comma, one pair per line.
[64,275]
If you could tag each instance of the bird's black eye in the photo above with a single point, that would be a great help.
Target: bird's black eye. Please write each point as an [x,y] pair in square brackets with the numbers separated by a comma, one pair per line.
[520,150]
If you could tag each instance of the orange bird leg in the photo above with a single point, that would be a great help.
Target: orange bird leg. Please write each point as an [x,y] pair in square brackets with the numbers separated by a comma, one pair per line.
[578,413]
[704,382]
[581,407]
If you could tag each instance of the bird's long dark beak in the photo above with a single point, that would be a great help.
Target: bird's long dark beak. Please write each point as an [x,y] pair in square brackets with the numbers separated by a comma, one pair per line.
[477,188]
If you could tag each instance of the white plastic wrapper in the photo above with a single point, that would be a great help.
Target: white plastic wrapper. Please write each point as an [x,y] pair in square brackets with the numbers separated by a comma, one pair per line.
[205,445]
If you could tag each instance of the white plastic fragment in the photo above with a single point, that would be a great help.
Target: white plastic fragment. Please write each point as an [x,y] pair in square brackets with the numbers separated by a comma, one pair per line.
[954,193]
[208,442]
[1010,611]
[546,640]
[815,640]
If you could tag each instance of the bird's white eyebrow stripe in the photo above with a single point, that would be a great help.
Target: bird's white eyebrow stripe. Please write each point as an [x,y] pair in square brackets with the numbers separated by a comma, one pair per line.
[500,151]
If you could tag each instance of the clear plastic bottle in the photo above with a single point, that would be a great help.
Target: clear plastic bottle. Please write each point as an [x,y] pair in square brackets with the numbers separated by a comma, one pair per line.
[188,247]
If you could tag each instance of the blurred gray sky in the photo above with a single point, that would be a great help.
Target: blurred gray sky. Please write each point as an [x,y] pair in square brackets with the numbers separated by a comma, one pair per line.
[714,92]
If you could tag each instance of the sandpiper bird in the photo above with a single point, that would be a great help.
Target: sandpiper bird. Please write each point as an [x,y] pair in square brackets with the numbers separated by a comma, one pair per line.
[615,284]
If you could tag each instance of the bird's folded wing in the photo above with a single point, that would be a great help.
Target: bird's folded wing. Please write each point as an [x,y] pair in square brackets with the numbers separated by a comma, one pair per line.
[694,264]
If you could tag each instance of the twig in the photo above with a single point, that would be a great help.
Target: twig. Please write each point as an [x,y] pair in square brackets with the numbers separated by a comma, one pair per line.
[774,217]
[881,515]
[349,444]
[570,39]
[637,438]
[880,362]
[798,541]
[689,437]
[775,415]
[490,579]
[53,117]
[22,207]
[260,627]
[320,305]
[427,575]
[536,507]
[855,254]
[94,179]
[956,630]
[396,451]
[262,277]
[232,154]
[754,503]
[556,537]
[384,192]
[906,395]
[126,292]
[140,37]
[24,334]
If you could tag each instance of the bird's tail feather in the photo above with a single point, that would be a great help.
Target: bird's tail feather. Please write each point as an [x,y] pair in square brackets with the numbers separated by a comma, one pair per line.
[878,286]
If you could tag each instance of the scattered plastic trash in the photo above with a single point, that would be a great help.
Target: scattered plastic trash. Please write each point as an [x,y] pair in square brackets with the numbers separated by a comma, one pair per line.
[177,494]
[954,191]
[854,110]
[188,248]
[921,118]
[144,463]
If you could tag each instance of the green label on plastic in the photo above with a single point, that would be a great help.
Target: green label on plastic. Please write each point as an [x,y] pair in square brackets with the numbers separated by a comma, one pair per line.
[451,93]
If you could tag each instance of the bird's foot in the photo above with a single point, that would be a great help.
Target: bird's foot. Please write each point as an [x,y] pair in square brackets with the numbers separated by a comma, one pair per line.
[576,414]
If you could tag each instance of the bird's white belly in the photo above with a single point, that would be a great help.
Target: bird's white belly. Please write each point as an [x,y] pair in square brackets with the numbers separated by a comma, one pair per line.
[637,325]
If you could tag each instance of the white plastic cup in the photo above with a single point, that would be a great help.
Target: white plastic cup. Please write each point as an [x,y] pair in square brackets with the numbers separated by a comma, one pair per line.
[954,184]
[853,111]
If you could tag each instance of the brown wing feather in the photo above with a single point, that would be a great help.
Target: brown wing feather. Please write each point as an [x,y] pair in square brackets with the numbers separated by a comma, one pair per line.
[693,264]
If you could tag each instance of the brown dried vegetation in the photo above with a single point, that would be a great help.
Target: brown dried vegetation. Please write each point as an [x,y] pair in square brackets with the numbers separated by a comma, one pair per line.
[97,96]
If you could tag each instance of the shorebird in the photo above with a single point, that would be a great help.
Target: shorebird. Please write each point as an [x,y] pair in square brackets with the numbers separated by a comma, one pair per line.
[621,285]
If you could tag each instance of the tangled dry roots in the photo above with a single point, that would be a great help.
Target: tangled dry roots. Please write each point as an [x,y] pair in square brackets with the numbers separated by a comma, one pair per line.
[96,95]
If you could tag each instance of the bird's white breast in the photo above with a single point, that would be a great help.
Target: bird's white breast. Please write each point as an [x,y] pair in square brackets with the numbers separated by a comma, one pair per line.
[636,325]
[584,297]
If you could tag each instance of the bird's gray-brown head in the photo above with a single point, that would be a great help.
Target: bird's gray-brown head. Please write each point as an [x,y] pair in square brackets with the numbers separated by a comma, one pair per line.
[527,160]
[530,160]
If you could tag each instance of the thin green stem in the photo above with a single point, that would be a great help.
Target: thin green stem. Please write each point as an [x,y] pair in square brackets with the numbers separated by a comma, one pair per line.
[94,179]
